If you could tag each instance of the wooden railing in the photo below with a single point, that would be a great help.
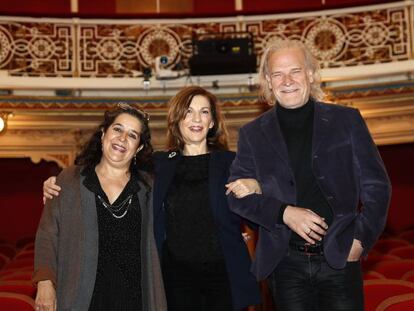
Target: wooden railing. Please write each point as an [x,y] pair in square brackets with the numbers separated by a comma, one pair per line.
[80,48]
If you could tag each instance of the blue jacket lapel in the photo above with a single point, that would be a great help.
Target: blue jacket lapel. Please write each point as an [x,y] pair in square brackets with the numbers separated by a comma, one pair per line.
[164,177]
[321,121]
[271,130]
[215,176]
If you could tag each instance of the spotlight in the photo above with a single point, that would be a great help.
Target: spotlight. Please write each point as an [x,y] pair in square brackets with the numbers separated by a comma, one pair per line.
[162,72]
[146,84]
[4,115]
[250,83]
[147,72]
[2,124]
[163,60]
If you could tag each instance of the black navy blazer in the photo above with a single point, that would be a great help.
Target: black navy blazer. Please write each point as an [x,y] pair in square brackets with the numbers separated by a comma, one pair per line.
[244,287]
[347,167]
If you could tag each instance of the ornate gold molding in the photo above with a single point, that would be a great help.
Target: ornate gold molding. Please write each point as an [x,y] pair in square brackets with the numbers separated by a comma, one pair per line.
[52,130]
[41,47]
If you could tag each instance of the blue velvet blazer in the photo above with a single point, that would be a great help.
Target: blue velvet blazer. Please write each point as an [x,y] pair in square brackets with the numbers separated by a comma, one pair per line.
[348,169]
[244,287]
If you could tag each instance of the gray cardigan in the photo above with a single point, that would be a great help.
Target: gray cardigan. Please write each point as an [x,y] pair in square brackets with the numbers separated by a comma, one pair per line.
[66,249]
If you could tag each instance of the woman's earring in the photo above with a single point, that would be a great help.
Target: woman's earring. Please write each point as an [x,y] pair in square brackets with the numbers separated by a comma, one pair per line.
[135,156]
[102,138]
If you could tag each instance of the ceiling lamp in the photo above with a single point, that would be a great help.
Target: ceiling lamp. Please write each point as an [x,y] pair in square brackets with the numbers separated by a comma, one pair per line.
[4,115]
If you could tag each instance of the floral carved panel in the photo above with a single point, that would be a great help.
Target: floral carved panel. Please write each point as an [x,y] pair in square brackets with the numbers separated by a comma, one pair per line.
[37,48]
[340,40]
[126,50]
[112,48]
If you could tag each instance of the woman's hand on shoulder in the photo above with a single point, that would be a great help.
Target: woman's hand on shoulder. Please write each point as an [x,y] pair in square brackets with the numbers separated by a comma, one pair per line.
[46,296]
[243,187]
[50,189]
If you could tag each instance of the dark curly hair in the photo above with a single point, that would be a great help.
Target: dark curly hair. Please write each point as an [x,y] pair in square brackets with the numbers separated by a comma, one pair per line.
[178,106]
[91,153]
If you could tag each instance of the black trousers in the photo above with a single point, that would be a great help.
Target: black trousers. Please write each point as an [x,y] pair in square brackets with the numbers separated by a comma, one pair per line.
[200,287]
[307,283]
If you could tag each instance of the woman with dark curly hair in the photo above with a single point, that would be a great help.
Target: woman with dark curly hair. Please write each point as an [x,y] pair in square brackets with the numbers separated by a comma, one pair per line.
[95,247]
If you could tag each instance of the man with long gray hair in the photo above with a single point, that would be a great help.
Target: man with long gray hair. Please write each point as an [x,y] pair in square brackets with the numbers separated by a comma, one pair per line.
[323,191]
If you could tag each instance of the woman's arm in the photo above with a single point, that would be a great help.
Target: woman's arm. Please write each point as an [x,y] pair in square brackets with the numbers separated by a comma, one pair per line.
[46,248]
[46,296]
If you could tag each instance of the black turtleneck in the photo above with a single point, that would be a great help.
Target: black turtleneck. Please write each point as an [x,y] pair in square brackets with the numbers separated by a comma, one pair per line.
[297,129]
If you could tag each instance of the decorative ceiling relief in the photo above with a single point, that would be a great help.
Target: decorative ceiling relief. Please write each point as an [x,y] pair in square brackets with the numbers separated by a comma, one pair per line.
[339,40]
[126,48]
[37,48]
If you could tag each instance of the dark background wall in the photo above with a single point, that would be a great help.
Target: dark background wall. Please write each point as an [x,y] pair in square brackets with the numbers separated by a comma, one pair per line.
[399,160]
[21,196]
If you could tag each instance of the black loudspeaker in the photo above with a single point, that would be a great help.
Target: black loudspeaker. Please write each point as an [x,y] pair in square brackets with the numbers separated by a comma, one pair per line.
[223,55]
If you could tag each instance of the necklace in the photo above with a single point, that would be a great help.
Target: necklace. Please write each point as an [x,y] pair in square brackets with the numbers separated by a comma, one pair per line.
[121,208]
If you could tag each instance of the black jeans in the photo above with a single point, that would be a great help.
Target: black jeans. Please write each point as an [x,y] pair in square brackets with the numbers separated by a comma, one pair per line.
[197,287]
[308,283]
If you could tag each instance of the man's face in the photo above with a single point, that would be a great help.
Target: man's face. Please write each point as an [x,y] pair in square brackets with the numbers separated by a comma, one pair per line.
[289,78]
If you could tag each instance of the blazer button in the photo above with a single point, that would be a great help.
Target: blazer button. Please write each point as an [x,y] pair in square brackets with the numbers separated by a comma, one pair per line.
[315,156]
[291,183]
[321,177]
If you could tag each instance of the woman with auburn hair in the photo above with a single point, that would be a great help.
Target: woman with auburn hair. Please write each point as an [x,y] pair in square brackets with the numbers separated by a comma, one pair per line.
[204,259]
[178,108]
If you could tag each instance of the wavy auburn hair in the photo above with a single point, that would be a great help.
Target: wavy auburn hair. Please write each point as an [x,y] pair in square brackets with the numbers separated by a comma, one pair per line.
[178,106]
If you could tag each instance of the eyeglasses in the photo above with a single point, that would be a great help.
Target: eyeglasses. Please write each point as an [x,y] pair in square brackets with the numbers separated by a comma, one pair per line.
[127,107]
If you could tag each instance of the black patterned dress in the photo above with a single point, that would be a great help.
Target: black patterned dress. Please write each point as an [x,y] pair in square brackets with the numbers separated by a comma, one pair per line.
[118,276]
